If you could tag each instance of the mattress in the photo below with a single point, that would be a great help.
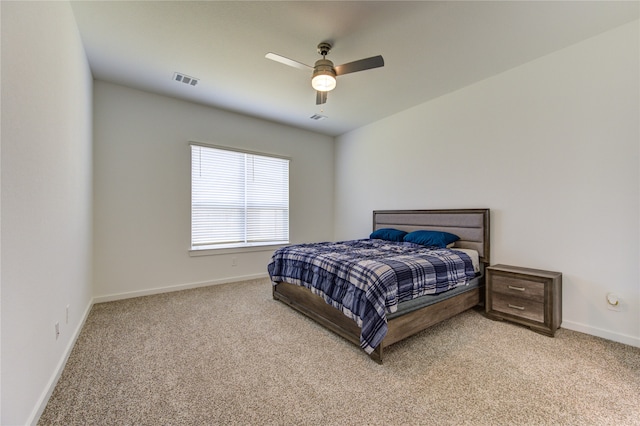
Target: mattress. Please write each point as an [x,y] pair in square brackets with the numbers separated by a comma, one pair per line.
[430,299]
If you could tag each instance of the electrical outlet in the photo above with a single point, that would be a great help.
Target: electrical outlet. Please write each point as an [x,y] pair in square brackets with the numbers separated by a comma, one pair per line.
[234,261]
[57,330]
[613,302]
[67,315]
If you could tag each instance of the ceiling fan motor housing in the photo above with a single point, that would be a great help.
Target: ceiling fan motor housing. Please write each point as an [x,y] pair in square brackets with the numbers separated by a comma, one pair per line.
[323,66]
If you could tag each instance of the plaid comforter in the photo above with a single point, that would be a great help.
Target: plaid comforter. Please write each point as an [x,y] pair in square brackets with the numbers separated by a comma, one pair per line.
[365,279]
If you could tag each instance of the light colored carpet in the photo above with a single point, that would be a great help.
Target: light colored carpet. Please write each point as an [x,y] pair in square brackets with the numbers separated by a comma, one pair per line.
[230,354]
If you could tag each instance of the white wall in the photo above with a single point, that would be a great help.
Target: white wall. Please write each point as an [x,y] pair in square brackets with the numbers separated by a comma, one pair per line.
[551,147]
[142,190]
[46,200]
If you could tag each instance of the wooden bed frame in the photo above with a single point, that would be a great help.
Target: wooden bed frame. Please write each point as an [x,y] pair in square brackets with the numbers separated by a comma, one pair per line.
[471,225]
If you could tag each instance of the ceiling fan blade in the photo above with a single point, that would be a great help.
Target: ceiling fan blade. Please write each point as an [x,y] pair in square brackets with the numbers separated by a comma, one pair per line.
[321,97]
[361,65]
[287,61]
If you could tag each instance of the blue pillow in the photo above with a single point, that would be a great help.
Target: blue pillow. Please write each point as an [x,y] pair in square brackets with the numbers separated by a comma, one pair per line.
[388,234]
[431,238]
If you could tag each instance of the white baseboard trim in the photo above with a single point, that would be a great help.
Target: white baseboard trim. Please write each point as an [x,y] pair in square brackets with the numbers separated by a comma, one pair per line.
[605,334]
[53,381]
[168,289]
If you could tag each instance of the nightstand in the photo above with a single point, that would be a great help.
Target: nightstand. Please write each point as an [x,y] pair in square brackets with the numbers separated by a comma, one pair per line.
[530,297]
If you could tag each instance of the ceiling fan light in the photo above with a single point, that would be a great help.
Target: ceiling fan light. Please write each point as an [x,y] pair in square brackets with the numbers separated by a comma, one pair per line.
[324,76]
[323,82]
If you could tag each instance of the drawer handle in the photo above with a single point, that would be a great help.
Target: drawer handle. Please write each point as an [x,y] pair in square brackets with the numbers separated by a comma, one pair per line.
[516,307]
[511,287]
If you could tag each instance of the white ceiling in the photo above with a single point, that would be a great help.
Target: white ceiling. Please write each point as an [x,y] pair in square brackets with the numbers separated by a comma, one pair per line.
[430,48]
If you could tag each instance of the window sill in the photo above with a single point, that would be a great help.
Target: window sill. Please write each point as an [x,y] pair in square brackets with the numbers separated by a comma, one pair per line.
[207,251]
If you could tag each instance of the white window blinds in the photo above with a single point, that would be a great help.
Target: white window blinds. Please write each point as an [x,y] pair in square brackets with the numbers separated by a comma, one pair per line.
[238,199]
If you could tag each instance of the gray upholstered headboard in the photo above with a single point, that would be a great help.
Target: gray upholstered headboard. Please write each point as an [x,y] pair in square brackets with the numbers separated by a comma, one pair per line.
[471,225]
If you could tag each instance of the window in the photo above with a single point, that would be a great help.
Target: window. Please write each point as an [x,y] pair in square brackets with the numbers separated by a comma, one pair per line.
[238,199]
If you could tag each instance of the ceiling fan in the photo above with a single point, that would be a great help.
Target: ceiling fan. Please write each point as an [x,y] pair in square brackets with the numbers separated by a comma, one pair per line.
[324,75]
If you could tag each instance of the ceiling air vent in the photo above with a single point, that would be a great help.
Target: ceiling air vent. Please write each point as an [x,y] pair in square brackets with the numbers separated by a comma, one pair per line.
[191,81]
[317,117]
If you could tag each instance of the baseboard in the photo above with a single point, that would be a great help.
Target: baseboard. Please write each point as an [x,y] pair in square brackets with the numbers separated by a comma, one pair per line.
[605,334]
[168,289]
[53,381]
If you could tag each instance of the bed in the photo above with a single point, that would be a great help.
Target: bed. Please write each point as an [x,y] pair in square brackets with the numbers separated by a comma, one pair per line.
[406,317]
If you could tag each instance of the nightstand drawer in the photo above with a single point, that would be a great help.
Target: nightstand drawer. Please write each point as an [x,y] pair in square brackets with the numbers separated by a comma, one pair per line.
[520,307]
[519,287]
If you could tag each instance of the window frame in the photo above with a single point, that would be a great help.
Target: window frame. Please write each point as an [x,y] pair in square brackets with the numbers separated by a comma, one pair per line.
[223,248]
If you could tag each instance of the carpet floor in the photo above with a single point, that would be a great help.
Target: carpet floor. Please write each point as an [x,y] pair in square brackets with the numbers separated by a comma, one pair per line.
[229,354]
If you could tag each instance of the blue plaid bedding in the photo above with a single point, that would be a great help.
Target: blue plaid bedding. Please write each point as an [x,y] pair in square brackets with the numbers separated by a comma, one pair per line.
[367,278]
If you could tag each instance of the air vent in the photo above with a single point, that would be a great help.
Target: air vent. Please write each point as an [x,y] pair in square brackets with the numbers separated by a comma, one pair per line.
[182,78]
[317,117]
